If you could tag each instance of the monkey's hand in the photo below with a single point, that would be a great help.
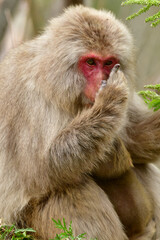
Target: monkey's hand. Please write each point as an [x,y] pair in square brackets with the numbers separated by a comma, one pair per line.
[113,94]
[116,77]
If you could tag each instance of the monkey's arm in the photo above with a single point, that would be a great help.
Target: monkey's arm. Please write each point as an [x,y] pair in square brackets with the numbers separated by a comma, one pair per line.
[83,143]
[142,137]
[117,162]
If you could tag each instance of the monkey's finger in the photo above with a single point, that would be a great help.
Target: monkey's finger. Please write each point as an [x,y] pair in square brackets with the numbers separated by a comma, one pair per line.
[115,69]
[103,84]
[117,76]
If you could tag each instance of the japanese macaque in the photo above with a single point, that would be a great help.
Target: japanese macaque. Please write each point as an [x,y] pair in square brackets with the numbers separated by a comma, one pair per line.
[71,129]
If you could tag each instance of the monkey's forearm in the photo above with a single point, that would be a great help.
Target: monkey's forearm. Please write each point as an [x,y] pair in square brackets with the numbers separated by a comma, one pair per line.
[145,140]
[82,145]
[142,137]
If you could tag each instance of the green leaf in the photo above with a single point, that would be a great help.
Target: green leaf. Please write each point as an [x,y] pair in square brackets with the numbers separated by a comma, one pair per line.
[81,236]
[154,104]
[58,224]
[151,97]
[24,230]
[56,238]
[63,235]
[68,233]
[64,223]
[142,10]
[70,228]
[157,86]
[146,5]
[154,17]
[154,24]
[141,2]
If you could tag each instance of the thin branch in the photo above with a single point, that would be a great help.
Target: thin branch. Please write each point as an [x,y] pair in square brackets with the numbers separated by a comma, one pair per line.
[8,18]
[6,4]
[142,2]
[142,10]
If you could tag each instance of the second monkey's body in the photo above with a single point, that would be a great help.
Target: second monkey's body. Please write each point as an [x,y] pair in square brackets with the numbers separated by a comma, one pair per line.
[132,202]
[62,135]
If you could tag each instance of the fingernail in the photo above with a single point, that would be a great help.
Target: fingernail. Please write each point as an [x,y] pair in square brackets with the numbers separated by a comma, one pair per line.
[103,83]
[116,67]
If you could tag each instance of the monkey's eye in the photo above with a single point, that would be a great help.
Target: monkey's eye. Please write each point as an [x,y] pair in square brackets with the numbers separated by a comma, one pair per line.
[108,63]
[91,61]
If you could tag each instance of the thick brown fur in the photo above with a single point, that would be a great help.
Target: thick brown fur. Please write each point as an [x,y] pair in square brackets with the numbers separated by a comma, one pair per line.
[52,146]
[131,201]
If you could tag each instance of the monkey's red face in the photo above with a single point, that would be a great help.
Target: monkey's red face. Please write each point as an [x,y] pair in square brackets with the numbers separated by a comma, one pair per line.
[95,68]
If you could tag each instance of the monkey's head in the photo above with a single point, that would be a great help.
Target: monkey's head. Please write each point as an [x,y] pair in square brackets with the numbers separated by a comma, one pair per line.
[86,44]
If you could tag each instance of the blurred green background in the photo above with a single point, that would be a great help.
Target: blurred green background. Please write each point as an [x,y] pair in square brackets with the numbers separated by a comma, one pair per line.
[21,20]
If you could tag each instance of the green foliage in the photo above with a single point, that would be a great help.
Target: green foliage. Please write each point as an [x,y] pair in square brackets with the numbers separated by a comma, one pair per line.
[146,5]
[67,233]
[152,98]
[12,233]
